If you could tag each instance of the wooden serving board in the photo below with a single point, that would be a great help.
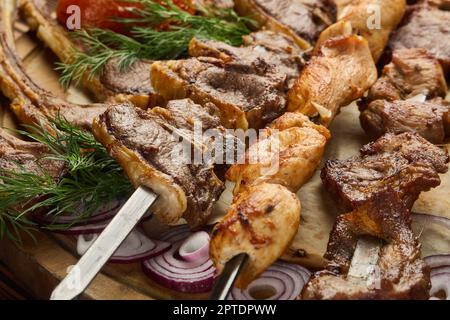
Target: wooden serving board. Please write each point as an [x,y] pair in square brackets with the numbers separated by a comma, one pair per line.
[40,265]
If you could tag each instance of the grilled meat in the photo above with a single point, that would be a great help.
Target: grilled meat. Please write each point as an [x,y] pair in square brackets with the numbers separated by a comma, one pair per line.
[303,20]
[266,46]
[400,273]
[147,145]
[430,120]
[426,27]
[17,155]
[341,72]
[410,73]
[406,163]
[261,222]
[289,155]
[247,84]
[360,17]
[112,84]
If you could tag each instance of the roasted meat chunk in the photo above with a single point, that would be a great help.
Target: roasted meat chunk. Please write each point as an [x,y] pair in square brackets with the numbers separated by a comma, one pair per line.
[288,155]
[406,163]
[261,222]
[151,147]
[426,26]
[430,120]
[342,72]
[401,274]
[112,84]
[372,19]
[412,72]
[303,20]
[260,48]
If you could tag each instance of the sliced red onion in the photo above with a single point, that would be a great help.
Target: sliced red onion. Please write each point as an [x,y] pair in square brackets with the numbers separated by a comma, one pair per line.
[136,247]
[440,283]
[282,281]
[172,271]
[84,229]
[438,261]
[196,247]
[431,219]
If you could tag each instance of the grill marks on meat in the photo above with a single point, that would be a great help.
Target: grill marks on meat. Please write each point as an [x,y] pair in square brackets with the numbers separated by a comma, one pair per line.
[112,85]
[430,120]
[402,274]
[426,26]
[146,144]
[302,20]
[406,163]
[358,17]
[17,155]
[342,72]
[246,84]
[412,72]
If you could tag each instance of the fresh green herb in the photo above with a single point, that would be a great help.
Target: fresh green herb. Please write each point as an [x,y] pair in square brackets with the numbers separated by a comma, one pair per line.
[92,178]
[151,42]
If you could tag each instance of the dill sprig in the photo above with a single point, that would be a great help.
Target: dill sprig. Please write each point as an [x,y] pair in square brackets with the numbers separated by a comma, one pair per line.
[92,178]
[147,40]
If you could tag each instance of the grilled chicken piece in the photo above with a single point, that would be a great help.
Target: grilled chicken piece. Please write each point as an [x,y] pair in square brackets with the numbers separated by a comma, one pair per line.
[247,84]
[341,73]
[17,155]
[147,145]
[261,222]
[288,155]
[430,120]
[411,72]
[30,103]
[360,17]
[406,163]
[426,26]
[112,84]
[276,49]
[401,274]
[303,20]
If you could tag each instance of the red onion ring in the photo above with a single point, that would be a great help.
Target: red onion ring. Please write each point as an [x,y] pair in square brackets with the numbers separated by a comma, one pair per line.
[84,229]
[282,281]
[172,271]
[196,247]
[432,219]
[136,247]
[440,282]
[437,261]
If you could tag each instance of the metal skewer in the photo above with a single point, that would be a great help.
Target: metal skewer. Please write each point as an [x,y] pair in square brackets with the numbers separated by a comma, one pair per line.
[90,264]
[228,277]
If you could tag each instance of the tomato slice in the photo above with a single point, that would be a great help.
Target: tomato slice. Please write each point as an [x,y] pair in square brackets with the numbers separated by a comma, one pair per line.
[100,13]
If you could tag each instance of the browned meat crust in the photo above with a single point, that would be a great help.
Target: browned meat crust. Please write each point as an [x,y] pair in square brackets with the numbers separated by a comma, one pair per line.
[426,26]
[303,20]
[428,119]
[147,145]
[406,163]
[400,275]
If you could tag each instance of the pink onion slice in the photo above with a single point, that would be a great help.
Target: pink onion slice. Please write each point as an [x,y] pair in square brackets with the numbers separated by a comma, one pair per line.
[282,281]
[438,261]
[440,283]
[84,229]
[136,247]
[431,219]
[196,247]
[172,271]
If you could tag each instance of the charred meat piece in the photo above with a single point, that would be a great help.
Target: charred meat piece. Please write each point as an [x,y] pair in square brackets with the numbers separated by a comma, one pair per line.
[372,19]
[112,84]
[430,120]
[410,73]
[342,72]
[260,47]
[406,163]
[288,155]
[247,96]
[427,27]
[303,20]
[401,273]
[18,155]
[261,222]
[150,146]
